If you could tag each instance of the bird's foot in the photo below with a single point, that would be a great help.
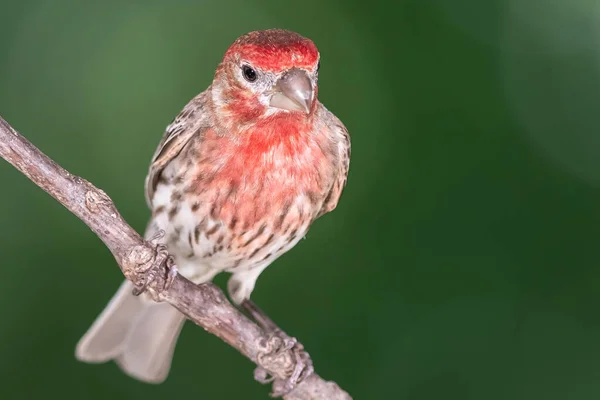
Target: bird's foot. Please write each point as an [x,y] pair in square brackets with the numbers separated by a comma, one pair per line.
[282,352]
[152,269]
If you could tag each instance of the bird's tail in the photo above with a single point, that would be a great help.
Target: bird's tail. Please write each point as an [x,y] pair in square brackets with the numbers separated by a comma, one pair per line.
[137,333]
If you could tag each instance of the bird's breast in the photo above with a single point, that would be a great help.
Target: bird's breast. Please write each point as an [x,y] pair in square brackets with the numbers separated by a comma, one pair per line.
[245,203]
[260,177]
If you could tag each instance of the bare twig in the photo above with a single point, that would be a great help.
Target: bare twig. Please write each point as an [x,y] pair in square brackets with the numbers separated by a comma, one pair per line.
[205,304]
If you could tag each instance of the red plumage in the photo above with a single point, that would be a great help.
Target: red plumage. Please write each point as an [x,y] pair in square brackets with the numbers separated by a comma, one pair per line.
[275,50]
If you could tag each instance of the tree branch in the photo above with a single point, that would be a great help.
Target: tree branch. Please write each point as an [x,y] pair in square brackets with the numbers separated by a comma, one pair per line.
[205,304]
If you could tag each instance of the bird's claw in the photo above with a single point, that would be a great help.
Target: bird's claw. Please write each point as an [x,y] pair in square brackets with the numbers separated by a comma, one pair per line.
[152,269]
[303,368]
[277,349]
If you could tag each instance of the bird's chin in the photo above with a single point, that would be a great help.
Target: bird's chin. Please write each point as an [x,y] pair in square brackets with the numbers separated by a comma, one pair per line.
[281,102]
[276,111]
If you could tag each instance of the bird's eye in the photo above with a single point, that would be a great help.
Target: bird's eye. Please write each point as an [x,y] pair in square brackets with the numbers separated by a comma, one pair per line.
[249,73]
[318,65]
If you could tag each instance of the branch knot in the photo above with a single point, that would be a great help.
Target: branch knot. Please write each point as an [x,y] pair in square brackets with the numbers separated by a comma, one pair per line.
[96,199]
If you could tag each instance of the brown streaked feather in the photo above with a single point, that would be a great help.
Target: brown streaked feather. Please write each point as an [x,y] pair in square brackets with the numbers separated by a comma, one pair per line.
[343,153]
[192,120]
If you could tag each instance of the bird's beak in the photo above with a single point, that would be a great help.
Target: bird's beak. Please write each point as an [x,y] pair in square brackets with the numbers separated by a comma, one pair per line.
[293,92]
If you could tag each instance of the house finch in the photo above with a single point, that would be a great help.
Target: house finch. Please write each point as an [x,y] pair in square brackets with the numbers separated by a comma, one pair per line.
[238,178]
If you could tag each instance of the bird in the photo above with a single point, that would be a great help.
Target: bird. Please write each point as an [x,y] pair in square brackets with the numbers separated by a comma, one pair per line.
[236,181]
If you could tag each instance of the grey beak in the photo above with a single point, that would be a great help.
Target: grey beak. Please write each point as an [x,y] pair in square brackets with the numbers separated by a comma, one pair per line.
[293,92]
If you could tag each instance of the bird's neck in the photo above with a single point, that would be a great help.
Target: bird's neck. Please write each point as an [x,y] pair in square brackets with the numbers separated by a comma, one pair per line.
[288,145]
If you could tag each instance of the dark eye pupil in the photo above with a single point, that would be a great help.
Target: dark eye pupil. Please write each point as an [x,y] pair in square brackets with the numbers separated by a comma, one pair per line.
[249,73]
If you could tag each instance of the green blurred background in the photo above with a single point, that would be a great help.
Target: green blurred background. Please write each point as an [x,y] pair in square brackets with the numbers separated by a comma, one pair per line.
[463,260]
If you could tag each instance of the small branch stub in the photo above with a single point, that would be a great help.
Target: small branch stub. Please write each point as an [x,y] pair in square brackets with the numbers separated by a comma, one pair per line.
[95,199]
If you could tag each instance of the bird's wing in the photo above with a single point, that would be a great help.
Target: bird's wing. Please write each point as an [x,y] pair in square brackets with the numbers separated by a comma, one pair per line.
[189,122]
[341,138]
